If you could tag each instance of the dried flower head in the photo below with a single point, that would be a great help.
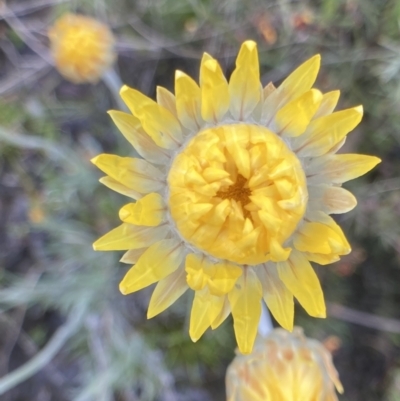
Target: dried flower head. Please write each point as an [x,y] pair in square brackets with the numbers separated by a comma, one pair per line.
[283,367]
[82,48]
[233,193]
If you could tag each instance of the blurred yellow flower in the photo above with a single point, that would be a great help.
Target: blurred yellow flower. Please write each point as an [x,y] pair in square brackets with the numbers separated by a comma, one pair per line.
[283,367]
[233,193]
[82,48]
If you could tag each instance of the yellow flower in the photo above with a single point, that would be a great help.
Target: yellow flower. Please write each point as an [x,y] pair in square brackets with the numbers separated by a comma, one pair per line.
[283,367]
[82,48]
[233,193]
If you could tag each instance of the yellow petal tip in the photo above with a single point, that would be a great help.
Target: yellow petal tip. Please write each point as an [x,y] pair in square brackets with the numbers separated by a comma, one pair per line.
[359,109]
[319,314]
[122,288]
[315,61]
[316,95]
[123,89]
[179,74]
[123,214]
[194,339]
[287,325]
[111,112]
[95,246]
[339,388]
[317,57]
[94,159]
[373,162]
[211,65]
[250,44]
[246,349]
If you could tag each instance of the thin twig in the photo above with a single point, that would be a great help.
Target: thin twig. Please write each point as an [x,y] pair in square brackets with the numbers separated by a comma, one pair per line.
[21,10]
[93,325]
[20,29]
[363,318]
[37,69]
[46,354]
[114,84]
[30,349]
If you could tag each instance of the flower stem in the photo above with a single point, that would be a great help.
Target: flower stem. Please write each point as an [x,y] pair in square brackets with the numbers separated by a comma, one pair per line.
[114,84]
[265,324]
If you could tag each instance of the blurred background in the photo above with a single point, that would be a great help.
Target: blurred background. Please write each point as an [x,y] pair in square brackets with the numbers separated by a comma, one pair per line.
[66,333]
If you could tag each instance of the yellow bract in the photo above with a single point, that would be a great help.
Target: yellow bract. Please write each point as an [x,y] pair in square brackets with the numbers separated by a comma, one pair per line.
[237,192]
[147,211]
[245,94]
[82,48]
[219,277]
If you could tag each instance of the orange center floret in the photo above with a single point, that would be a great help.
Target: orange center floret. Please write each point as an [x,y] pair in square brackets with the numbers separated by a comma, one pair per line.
[237,192]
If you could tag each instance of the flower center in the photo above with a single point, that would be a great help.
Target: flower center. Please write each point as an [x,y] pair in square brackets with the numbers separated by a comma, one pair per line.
[237,192]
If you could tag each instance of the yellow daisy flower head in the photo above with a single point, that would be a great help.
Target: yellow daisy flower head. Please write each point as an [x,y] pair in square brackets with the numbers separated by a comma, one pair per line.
[283,367]
[233,194]
[82,48]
